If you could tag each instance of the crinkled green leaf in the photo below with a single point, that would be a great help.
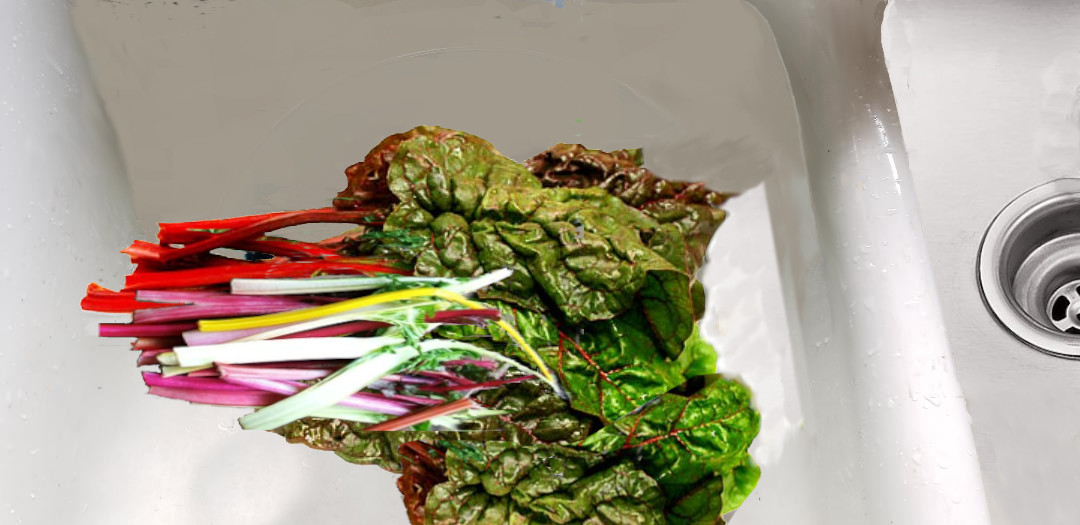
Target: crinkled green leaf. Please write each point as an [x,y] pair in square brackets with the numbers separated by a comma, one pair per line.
[349,442]
[367,182]
[690,207]
[352,443]
[535,414]
[583,257]
[613,367]
[496,483]
[701,505]
[687,213]
[696,223]
[619,172]
[582,249]
[684,441]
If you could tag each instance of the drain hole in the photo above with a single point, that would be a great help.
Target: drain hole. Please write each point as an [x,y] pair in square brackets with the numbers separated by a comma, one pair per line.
[1060,310]
[1059,304]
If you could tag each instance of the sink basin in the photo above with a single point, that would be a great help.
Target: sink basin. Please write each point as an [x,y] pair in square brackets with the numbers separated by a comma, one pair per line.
[986,122]
[821,296]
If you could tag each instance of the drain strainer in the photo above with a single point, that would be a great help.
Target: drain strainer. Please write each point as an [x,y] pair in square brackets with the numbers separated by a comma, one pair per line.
[1063,308]
[1029,268]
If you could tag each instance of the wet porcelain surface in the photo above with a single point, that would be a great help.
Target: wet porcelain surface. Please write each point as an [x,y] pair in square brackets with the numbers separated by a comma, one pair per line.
[989,97]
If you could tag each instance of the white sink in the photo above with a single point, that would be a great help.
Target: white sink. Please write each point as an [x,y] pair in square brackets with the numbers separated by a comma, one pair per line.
[821,295]
[988,96]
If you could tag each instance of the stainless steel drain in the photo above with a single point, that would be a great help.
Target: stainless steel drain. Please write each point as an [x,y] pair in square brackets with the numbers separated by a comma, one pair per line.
[1029,268]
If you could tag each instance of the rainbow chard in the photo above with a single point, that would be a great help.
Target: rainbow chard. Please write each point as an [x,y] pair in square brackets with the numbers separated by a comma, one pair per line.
[518,340]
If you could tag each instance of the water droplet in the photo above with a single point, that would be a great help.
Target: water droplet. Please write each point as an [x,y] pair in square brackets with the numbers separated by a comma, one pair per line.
[916,457]
[35,451]
[24,417]
[891,403]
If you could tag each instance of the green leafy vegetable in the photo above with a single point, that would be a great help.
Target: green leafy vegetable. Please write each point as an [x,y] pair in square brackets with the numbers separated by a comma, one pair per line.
[352,443]
[367,179]
[682,459]
[498,482]
[604,255]
[534,414]
[581,256]
[687,441]
[446,186]
[615,366]
[689,207]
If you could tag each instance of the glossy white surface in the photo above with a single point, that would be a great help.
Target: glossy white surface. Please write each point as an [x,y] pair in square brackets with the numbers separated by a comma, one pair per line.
[913,460]
[64,200]
[989,97]
[226,108]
